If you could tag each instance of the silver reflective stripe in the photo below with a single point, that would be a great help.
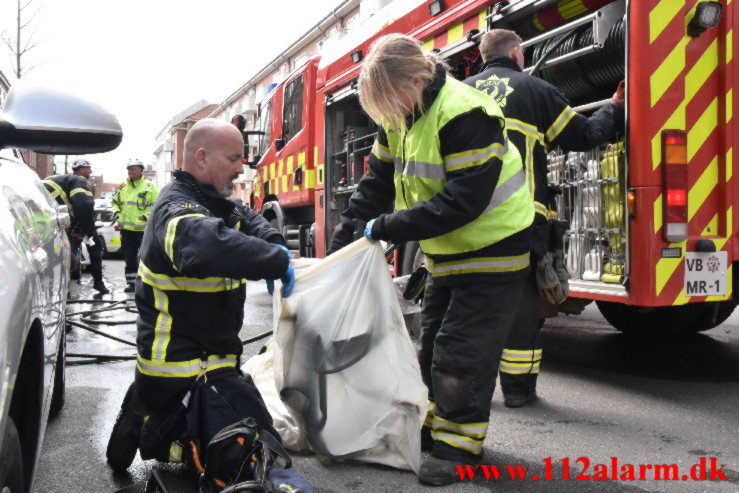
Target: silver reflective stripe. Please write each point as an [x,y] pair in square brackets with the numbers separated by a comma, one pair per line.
[382,153]
[491,265]
[175,452]
[519,369]
[521,355]
[467,444]
[472,430]
[560,123]
[183,368]
[137,227]
[163,325]
[420,169]
[167,283]
[527,130]
[506,190]
[132,203]
[60,193]
[496,150]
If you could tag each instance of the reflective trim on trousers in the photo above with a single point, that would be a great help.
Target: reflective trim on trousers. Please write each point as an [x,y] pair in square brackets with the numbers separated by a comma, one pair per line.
[183,369]
[175,452]
[192,284]
[515,355]
[470,445]
[429,421]
[519,368]
[471,430]
[479,265]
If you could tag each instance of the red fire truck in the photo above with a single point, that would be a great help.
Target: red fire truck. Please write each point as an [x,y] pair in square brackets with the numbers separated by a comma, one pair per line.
[651,226]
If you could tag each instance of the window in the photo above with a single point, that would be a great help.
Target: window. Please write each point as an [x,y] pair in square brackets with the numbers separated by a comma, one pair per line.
[292,116]
[265,124]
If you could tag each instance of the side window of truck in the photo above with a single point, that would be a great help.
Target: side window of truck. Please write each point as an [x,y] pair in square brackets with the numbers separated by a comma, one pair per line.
[265,122]
[292,116]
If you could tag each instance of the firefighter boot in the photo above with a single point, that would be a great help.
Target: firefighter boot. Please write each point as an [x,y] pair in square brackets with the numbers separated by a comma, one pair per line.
[99,286]
[130,288]
[518,400]
[124,440]
[439,472]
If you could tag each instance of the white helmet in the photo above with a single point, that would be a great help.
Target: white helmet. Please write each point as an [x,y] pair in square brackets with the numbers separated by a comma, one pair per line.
[134,162]
[80,163]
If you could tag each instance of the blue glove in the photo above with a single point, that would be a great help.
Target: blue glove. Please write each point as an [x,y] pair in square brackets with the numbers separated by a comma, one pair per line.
[288,281]
[270,282]
[368,229]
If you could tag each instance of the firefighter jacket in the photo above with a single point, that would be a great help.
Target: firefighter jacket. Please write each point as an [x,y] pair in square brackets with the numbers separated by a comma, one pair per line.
[196,256]
[73,191]
[459,188]
[133,200]
[538,118]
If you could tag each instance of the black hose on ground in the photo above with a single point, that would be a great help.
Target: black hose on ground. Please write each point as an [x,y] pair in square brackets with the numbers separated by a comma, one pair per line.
[98,332]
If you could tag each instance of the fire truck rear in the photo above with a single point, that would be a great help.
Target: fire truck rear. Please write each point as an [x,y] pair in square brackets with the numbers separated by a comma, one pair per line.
[650,234]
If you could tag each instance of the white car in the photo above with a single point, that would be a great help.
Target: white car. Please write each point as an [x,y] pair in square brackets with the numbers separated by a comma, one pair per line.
[107,227]
[34,265]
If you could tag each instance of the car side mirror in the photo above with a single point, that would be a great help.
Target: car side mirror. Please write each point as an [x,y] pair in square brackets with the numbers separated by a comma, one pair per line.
[49,121]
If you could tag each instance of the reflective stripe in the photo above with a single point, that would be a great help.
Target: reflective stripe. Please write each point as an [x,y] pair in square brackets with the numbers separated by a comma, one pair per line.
[429,421]
[80,190]
[136,204]
[479,265]
[132,226]
[541,209]
[506,190]
[519,368]
[193,284]
[183,369]
[171,233]
[467,159]
[162,327]
[420,169]
[58,192]
[470,445]
[521,354]
[472,430]
[525,128]
[381,152]
[559,124]
[175,452]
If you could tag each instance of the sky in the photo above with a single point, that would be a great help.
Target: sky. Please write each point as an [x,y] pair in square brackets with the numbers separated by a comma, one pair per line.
[146,61]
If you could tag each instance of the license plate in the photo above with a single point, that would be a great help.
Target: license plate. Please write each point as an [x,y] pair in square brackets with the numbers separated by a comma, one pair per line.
[705,273]
[115,241]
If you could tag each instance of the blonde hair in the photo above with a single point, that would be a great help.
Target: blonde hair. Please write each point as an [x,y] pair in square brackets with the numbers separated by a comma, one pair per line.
[392,61]
[498,42]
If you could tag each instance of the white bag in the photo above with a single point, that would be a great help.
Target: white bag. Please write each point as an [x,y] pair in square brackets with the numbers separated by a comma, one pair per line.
[344,363]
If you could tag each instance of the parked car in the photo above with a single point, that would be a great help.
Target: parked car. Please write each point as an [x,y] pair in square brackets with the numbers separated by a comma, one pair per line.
[34,262]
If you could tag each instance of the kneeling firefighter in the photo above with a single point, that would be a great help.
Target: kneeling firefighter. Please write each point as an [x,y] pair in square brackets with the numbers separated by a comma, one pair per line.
[459,188]
[197,253]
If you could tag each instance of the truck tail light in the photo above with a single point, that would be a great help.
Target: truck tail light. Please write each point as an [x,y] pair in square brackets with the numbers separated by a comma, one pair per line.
[675,185]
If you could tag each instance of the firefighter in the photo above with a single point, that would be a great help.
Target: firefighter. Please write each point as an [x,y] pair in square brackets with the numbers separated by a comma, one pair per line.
[74,192]
[132,204]
[442,156]
[537,118]
[196,255]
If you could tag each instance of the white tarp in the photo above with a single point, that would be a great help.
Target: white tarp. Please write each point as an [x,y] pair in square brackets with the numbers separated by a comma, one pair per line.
[344,363]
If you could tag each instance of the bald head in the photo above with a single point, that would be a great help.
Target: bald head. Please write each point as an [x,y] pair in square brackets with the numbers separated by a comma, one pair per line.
[213,153]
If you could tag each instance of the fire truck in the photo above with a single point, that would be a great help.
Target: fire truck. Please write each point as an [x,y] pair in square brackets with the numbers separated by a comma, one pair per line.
[650,218]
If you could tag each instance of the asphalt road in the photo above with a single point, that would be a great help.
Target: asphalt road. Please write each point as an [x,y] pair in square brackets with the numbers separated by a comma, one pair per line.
[602,396]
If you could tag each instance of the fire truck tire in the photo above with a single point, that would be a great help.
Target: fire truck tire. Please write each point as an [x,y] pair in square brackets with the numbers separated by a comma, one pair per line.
[412,258]
[714,314]
[662,320]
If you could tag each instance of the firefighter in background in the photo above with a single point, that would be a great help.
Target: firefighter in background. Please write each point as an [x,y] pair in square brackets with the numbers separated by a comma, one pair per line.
[442,156]
[537,118]
[74,192]
[196,255]
[132,204]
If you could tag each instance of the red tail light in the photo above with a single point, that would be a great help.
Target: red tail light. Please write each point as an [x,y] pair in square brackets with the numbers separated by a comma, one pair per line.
[675,185]
[116,228]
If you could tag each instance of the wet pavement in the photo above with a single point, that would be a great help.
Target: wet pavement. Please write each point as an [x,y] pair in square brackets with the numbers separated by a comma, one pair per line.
[602,395]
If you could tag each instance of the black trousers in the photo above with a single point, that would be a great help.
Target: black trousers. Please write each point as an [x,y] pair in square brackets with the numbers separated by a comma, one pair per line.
[131,243]
[95,251]
[519,364]
[464,329]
